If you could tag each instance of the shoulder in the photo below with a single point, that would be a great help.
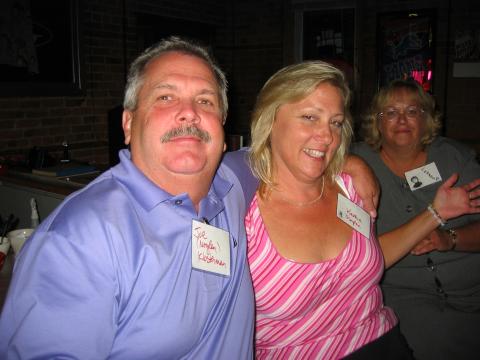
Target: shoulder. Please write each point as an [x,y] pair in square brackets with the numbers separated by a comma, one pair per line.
[369,155]
[237,163]
[452,156]
[362,149]
[102,201]
[444,146]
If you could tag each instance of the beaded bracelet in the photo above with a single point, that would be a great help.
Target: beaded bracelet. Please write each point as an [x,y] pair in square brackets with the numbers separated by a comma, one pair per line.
[436,215]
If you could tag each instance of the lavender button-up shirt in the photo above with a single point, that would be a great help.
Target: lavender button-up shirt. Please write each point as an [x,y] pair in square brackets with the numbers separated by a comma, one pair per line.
[108,275]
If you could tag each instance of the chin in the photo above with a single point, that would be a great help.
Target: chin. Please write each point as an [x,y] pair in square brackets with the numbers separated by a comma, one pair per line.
[187,170]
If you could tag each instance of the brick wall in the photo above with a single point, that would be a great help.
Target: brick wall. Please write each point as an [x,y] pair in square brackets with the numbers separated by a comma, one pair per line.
[253,39]
[109,41]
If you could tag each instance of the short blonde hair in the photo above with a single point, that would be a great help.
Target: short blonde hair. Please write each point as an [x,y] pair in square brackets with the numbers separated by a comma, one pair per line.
[291,84]
[370,131]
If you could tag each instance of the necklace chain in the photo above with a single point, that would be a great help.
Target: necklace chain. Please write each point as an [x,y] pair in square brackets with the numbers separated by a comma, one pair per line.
[306,203]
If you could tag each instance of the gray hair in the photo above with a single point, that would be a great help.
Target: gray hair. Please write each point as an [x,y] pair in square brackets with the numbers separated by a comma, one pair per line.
[136,72]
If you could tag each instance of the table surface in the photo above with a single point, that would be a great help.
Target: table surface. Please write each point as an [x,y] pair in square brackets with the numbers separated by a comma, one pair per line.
[60,186]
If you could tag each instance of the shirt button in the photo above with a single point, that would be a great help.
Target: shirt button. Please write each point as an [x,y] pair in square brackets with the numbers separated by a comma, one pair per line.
[409,208]
[178,202]
[405,185]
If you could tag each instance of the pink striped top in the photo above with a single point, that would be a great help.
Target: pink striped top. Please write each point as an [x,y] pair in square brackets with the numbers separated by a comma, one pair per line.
[323,310]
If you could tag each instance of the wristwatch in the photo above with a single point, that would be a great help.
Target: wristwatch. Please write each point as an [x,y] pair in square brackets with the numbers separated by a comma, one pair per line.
[453,235]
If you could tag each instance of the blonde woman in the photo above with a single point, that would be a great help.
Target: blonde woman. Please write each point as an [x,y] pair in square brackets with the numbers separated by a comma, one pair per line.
[436,295]
[315,278]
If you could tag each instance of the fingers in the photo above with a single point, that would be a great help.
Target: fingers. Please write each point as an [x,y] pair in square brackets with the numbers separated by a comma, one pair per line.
[376,198]
[421,251]
[474,194]
[450,181]
[474,207]
[370,205]
[423,247]
[473,191]
[453,201]
[472,185]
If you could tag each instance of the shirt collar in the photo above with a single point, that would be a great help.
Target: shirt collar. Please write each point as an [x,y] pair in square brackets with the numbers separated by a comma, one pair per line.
[149,195]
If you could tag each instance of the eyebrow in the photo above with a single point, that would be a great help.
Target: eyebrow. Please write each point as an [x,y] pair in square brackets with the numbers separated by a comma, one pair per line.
[208,92]
[322,111]
[174,87]
[164,86]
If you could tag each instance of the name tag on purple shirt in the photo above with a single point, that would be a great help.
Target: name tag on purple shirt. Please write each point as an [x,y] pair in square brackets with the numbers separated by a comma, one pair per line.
[210,248]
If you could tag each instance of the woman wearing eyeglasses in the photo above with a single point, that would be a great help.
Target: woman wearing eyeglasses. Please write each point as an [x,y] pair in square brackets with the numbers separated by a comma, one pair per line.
[435,291]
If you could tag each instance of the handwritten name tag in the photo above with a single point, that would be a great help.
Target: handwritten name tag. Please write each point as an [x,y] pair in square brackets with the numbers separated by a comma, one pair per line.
[423,176]
[210,248]
[353,215]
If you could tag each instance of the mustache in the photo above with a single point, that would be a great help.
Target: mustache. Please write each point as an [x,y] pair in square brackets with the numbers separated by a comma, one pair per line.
[191,130]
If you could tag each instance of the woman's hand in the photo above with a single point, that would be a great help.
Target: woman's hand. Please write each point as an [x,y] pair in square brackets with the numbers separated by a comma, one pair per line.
[451,202]
[364,181]
[437,240]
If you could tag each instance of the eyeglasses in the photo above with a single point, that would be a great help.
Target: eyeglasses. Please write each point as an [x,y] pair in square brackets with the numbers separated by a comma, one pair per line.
[393,114]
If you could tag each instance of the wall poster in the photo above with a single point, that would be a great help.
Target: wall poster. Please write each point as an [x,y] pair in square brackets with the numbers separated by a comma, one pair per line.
[329,35]
[466,61]
[406,47]
[39,48]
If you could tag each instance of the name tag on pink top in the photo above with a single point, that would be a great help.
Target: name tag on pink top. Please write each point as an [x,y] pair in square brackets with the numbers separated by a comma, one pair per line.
[423,176]
[353,215]
[210,248]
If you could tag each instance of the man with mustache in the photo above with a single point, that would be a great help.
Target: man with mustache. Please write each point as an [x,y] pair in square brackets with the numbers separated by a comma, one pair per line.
[149,260]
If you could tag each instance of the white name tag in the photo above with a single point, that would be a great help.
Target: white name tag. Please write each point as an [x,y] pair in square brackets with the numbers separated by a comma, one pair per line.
[353,215]
[423,176]
[210,248]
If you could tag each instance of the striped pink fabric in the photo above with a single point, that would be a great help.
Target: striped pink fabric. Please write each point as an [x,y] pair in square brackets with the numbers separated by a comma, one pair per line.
[316,311]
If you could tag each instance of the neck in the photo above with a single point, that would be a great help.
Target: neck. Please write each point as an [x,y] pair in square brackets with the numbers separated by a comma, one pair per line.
[292,201]
[402,159]
[195,186]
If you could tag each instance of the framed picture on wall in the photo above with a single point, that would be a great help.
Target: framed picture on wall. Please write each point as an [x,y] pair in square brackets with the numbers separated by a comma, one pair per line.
[39,48]
[329,35]
[328,31]
[405,43]
[466,60]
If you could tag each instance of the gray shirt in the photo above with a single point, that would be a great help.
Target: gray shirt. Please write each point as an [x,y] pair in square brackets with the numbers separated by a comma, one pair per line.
[420,288]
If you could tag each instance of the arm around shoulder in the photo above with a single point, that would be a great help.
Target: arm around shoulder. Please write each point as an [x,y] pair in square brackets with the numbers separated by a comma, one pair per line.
[364,181]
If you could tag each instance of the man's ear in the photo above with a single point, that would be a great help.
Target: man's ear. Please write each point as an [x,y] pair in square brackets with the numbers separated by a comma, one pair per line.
[127,118]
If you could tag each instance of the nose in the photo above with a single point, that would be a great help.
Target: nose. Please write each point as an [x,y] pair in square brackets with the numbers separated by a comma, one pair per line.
[402,117]
[187,113]
[324,134]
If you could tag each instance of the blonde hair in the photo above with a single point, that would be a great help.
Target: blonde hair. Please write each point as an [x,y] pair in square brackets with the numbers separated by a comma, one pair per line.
[291,84]
[370,131]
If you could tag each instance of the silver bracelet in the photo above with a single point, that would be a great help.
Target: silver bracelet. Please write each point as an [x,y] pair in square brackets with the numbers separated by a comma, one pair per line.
[436,215]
